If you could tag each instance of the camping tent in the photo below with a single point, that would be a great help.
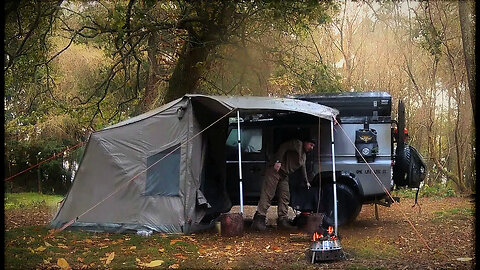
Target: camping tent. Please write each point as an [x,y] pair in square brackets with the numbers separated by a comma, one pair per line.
[162,170]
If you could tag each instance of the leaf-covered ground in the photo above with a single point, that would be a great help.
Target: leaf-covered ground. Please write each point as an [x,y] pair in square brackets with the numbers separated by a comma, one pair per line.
[445,224]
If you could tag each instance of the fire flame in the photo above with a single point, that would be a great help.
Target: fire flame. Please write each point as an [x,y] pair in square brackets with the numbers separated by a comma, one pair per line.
[316,236]
[330,229]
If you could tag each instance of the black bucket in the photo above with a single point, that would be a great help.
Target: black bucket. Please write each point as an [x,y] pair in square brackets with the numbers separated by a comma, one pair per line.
[231,224]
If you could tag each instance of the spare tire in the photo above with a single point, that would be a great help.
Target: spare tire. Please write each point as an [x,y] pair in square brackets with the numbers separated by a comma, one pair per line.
[402,153]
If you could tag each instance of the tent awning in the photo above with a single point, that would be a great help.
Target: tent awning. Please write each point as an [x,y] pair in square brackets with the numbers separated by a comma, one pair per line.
[267,103]
[223,104]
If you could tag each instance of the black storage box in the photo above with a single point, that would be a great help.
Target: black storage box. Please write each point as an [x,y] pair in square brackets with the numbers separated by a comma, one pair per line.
[373,105]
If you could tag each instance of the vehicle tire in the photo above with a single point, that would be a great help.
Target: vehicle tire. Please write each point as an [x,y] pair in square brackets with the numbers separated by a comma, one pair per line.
[348,204]
[401,167]
[402,151]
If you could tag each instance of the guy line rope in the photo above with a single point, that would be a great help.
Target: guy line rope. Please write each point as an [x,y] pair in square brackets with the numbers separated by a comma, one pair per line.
[46,160]
[383,186]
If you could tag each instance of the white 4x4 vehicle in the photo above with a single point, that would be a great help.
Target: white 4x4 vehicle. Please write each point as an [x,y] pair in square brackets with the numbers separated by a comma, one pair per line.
[366,121]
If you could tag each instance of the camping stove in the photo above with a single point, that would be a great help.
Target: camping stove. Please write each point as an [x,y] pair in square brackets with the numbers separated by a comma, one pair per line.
[326,248]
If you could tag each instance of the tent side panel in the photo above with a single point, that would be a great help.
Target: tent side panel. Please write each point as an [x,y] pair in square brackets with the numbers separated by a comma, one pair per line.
[109,188]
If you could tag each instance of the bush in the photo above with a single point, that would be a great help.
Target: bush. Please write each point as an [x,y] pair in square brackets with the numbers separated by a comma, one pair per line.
[31,199]
[437,190]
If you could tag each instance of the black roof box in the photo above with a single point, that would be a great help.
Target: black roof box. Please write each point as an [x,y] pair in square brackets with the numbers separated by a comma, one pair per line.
[370,104]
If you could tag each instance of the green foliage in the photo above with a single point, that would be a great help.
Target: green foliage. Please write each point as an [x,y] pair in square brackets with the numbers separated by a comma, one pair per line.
[428,36]
[27,200]
[370,248]
[436,190]
[453,214]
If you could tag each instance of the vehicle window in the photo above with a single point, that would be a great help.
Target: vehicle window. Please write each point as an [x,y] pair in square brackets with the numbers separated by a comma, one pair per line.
[251,140]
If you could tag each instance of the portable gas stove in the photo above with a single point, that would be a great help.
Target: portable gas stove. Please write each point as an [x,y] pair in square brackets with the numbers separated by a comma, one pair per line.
[326,248]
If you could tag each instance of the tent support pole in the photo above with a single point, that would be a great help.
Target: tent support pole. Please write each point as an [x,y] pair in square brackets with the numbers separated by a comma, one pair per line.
[319,167]
[334,181]
[240,161]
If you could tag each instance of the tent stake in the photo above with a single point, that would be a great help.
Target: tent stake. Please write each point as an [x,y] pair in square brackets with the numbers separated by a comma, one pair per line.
[240,161]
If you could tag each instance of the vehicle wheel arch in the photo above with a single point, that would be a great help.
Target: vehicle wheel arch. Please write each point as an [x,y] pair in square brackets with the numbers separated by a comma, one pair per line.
[344,177]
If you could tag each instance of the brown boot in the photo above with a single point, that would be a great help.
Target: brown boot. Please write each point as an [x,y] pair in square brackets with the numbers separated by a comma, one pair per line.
[284,224]
[258,223]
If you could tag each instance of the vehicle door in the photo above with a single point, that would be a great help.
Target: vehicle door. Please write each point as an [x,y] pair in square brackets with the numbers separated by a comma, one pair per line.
[253,163]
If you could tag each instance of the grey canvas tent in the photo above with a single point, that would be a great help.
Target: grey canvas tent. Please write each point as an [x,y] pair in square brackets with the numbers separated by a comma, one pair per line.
[162,170]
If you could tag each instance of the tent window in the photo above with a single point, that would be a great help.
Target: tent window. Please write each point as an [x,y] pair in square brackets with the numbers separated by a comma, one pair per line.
[163,178]
[251,139]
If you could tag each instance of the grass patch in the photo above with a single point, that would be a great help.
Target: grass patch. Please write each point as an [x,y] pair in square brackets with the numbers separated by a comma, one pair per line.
[32,248]
[369,248]
[31,199]
[435,191]
[453,213]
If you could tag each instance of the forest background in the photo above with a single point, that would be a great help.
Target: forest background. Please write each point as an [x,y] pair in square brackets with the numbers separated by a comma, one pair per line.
[73,67]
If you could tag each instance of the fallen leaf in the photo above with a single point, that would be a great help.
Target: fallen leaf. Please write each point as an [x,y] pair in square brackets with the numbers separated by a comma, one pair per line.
[88,241]
[228,247]
[154,263]
[110,258]
[174,266]
[161,250]
[133,247]
[189,238]
[40,249]
[80,259]
[174,241]
[466,259]
[180,256]
[63,263]
[47,244]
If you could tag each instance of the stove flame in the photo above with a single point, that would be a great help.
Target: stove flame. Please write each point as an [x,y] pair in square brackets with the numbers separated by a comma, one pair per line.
[316,236]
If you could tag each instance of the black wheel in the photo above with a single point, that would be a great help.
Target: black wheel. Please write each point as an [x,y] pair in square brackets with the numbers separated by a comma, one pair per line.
[348,204]
[402,151]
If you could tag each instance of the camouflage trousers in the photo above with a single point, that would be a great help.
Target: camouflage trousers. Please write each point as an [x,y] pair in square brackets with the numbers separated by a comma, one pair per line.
[274,183]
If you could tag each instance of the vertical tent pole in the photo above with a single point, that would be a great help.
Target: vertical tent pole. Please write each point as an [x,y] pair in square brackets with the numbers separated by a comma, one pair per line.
[319,167]
[240,162]
[334,181]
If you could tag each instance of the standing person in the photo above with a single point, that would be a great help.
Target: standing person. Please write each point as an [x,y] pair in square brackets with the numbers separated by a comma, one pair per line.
[290,156]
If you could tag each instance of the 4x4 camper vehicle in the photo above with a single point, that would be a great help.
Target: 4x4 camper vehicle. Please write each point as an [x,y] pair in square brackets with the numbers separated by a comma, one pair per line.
[366,124]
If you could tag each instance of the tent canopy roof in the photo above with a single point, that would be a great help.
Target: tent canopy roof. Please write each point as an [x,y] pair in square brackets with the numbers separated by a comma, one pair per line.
[224,104]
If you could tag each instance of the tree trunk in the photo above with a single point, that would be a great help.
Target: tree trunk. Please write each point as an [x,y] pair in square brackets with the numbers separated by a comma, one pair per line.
[156,73]
[39,179]
[468,39]
[457,148]
[188,71]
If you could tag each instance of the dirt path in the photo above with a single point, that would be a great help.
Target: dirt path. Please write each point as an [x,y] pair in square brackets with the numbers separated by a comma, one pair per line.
[446,225]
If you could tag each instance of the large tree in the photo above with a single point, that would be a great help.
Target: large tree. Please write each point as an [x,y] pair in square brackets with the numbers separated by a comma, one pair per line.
[154,52]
